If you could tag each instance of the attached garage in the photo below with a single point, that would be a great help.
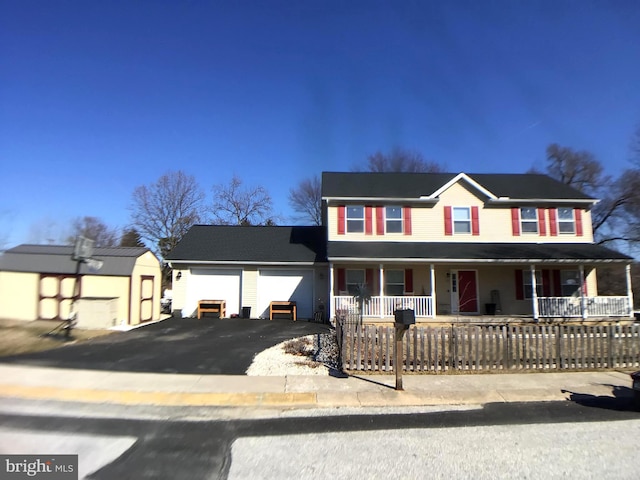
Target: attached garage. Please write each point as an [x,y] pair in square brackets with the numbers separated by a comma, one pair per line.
[249,267]
[213,284]
[286,285]
[43,282]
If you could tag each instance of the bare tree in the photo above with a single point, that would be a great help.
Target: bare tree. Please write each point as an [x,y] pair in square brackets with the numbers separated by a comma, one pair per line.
[95,229]
[580,169]
[234,204]
[306,200]
[163,212]
[400,160]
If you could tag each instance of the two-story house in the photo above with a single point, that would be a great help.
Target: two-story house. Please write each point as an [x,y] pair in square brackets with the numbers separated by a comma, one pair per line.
[447,244]
[441,244]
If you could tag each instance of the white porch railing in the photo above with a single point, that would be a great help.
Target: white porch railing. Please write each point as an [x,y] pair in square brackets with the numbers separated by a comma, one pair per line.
[383,307]
[593,307]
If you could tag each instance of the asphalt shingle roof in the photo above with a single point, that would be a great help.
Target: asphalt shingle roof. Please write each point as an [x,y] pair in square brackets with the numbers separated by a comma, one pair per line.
[451,252]
[520,186]
[58,259]
[278,244]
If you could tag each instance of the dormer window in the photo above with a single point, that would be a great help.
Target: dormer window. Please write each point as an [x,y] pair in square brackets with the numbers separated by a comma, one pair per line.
[355,219]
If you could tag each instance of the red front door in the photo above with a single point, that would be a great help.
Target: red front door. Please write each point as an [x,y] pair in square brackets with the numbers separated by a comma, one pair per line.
[467,291]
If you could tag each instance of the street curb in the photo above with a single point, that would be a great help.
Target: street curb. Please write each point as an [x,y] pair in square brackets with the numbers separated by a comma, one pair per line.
[304,399]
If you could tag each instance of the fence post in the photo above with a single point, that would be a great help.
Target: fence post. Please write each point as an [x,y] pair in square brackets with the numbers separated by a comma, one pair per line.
[506,361]
[610,346]
[559,334]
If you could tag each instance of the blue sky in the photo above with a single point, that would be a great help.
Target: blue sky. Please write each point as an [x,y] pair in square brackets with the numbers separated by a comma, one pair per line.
[98,97]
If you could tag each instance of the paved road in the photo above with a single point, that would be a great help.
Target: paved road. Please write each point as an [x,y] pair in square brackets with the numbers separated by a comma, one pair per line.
[207,346]
[533,440]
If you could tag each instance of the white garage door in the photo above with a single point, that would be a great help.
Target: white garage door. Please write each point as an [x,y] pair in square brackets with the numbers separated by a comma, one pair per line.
[213,284]
[286,285]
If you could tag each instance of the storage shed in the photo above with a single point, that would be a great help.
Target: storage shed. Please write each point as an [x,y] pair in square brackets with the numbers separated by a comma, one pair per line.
[40,282]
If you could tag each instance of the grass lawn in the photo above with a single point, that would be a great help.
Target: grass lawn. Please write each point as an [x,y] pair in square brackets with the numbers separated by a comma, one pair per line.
[18,337]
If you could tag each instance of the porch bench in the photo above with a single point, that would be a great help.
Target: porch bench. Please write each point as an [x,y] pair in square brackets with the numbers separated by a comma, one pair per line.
[212,306]
[283,307]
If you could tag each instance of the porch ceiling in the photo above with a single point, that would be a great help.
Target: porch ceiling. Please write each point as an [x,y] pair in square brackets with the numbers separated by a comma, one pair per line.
[461,252]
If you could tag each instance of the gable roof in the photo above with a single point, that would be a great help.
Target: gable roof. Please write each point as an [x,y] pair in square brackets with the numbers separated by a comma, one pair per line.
[251,244]
[461,252]
[57,259]
[502,187]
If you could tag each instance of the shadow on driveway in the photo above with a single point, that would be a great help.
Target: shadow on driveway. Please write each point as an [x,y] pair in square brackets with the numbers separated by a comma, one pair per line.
[209,347]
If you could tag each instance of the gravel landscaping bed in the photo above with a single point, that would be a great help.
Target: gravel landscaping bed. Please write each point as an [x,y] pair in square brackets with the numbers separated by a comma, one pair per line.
[309,355]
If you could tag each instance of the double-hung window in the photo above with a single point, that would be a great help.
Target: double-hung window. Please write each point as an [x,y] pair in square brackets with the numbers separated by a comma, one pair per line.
[394,283]
[566,220]
[355,219]
[393,220]
[354,278]
[570,283]
[529,220]
[528,286]
[461,220]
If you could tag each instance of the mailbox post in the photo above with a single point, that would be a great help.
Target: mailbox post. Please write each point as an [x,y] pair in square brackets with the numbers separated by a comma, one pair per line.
[403,319]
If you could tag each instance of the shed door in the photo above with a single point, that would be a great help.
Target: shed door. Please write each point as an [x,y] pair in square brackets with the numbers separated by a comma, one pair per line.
[146,298]
[286,285]
[213,284]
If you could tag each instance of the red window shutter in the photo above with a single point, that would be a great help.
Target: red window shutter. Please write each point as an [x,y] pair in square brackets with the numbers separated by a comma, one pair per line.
[515,221]
[369,279]
[553,222]
[519,285]
[475,221]
[542,223]
[408,280]
[578,214]
[557,284]
[406,214]
[342,280]
[546,283]
[380,220]
[341,219]
[368,221]
[448,224]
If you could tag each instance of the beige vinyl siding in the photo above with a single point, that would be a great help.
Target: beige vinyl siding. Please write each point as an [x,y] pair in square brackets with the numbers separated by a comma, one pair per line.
[427,222]
[112,287]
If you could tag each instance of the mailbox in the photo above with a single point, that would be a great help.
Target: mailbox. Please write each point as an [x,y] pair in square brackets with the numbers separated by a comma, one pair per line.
[405,317]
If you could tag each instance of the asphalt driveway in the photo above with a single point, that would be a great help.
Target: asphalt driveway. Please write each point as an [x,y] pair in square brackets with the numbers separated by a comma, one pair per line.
[207,346]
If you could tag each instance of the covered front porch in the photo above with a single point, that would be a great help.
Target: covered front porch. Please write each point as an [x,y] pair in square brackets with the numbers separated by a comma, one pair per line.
[537,291]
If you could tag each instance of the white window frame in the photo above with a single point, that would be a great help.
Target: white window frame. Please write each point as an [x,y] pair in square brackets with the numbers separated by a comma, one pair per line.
[527,287]
[352,283]
[528,221]
[352,221]
[391,287]
[455,221]
[570,283]
[399,221]
[566,221]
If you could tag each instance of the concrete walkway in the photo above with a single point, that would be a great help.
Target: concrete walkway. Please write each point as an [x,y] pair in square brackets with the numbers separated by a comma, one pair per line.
[37,383]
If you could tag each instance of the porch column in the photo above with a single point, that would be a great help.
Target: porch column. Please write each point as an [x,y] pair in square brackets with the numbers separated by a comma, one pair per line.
[583,305]
[629,290]
[534,293]
[381,273]
[433,291]
[331,295]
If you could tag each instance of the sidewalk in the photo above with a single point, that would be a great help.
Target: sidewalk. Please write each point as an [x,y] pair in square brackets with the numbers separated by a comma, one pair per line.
[124,388]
